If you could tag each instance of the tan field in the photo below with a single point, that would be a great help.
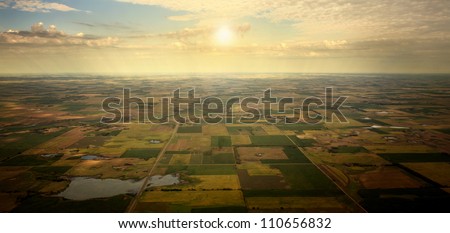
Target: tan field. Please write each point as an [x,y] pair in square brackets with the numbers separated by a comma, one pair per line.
[240,140]
[178,159]
[215,130]
[128,168]
[259,169]
[388,177]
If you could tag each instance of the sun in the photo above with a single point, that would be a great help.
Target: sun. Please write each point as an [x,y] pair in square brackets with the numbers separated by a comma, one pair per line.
[224,35]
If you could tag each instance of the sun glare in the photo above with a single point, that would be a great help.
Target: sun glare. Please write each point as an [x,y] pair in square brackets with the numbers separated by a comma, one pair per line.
[224,35]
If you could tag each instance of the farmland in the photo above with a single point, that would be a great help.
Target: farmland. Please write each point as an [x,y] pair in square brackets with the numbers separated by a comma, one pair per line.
[391,156]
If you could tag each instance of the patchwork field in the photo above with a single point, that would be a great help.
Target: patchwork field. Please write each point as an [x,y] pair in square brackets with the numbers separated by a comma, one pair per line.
[391,156]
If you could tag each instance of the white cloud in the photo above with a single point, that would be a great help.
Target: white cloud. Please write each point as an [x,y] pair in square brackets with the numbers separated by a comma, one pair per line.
[322,19]
[35,6]
[187,17]
[203,32]
[51,36]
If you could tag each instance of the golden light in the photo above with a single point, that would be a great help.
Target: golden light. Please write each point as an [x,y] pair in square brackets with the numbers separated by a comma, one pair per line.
[224,35]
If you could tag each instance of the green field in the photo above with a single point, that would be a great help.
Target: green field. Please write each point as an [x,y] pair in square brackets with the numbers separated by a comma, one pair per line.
[190,129]
[141,153]
[300,127]
[302,142]
[379,131]
[271,140]
[348,149]
[31,160]
[305,177]
[372,122]
[246,130]
[223,158]
[220,141]
[25,142]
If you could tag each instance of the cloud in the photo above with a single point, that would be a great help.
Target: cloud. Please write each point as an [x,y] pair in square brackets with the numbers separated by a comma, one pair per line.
[202,35]
[243,28]
[188,33]
[51,36]
[187,17]
[35,6]
[209,8]
[320,19]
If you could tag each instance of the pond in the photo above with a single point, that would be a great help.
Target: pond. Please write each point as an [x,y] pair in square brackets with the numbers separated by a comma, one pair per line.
[158,180]
[91,157]
[83,188]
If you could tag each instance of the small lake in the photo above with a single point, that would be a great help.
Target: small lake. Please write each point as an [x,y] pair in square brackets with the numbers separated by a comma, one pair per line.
[83,188]
[158,180]
[91,157]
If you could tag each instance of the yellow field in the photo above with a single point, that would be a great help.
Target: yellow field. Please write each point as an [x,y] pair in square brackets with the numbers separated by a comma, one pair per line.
[57,144]
[215,130]
[135,136]
[159,170]
[240,140]
[54,187]
[64,162]
[293,202]
[259,169]
[196,198]
[438,172]
[214,182]
[272,130]
[200,143]
[180,159]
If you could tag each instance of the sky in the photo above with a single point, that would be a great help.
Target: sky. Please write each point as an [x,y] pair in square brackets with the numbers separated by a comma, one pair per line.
[193,36]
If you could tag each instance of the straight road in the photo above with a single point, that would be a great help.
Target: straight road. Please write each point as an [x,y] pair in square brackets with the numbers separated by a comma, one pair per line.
[135,200]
